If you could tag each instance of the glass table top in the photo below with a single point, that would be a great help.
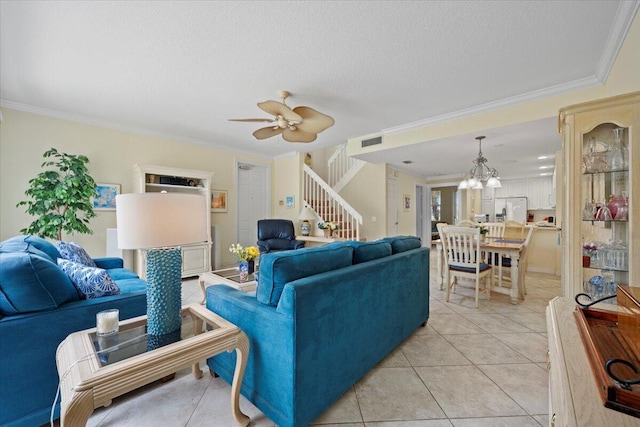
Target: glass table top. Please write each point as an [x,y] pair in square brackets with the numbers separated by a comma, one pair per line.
[132,339]
[234,275]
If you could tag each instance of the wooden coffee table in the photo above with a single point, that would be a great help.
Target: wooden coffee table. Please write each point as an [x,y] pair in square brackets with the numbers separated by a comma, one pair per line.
[227,276]
[94,370]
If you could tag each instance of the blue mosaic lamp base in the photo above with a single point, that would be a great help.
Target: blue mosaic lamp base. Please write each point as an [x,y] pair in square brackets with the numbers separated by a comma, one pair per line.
[164,293]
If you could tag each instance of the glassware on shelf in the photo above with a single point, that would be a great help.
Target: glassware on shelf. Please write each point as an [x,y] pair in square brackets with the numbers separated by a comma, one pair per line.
[589,211]
[618,158]
[618,207]
[603,213]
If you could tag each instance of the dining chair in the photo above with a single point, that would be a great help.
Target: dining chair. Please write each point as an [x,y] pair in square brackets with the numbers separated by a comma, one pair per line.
[495,230]
[514,230]
[466,223]
[505,263]
[461,246]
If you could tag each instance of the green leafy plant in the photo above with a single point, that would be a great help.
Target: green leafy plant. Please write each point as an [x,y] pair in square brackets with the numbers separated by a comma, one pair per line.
[61,196]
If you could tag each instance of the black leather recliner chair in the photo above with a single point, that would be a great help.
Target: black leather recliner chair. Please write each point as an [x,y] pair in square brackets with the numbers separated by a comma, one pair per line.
[277,235]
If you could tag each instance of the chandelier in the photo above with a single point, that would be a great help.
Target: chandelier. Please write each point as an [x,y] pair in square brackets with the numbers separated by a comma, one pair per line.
[480,173]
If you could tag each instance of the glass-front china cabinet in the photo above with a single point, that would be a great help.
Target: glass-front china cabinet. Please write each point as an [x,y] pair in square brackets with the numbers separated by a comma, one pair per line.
[601,218]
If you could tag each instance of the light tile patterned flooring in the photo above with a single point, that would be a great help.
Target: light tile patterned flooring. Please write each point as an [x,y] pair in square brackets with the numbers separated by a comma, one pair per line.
[468,367]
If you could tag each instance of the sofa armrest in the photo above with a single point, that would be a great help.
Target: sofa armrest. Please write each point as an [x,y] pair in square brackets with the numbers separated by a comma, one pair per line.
[296,244]
[109,262]
[263,246]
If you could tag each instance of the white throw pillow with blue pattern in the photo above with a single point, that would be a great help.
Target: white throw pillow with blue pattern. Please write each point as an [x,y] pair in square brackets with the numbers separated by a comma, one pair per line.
[74,252]
[91,282]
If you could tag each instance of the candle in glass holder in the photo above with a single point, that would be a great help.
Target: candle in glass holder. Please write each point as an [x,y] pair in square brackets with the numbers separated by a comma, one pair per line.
[107,322]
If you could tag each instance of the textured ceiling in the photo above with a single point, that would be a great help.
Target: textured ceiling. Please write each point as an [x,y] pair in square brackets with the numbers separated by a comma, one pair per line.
[181,69]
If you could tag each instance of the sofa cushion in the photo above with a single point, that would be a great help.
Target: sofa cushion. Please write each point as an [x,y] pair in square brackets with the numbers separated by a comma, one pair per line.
[74,252]
[278,269]
[30,282]
[91,282]
[32,244]
[402,243]
[367,251]
[121,274]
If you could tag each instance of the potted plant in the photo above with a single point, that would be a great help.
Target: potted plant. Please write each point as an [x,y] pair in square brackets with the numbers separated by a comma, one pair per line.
[61,196]
[328,227]
[246,259]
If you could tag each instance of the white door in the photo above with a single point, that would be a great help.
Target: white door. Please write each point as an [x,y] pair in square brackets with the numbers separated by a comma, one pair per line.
[392,207]
[253,201]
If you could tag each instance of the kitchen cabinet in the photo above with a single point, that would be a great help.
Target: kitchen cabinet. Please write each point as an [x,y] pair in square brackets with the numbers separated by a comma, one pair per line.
[593,180]
[196,258]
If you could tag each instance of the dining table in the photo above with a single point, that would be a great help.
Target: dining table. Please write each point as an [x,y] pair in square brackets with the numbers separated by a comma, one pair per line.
[493,245]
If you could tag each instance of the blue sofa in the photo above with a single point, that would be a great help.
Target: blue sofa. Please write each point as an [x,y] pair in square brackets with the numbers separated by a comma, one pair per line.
[39,307]
[320,319]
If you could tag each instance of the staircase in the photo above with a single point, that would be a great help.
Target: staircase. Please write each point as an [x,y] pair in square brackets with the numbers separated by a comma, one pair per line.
[329,205]
[342,168]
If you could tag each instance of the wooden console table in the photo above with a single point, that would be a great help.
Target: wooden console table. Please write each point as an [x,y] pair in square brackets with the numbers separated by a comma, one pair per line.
[94,370]
[573,391]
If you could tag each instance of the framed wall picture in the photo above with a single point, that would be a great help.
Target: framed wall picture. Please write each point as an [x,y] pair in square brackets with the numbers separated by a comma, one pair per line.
[105,199]
[290,202]
[218,200]
[406,202]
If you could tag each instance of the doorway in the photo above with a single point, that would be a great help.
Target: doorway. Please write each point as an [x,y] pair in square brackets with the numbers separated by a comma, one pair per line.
[423,216]
[392,207]
[253,182]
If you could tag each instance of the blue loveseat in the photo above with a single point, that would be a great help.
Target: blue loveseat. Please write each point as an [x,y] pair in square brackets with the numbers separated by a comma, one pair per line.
[321,318]
[39,307]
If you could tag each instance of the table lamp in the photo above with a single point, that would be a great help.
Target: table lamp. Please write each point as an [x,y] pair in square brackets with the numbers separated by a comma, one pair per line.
[306,215]
[159,223]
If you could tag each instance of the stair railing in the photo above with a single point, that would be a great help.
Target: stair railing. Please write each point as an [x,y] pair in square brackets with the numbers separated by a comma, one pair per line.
[329,205]
[341,167]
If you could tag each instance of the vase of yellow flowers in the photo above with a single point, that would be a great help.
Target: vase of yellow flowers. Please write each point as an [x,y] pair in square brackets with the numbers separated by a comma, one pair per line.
[246,259]
[328,227]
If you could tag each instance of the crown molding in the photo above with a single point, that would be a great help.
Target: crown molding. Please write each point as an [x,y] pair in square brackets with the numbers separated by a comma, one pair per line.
[625,15]
[575,85]
[130,129]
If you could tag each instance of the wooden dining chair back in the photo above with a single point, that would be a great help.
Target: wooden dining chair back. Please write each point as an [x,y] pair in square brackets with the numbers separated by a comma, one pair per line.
[466,223]
[496,229]
[514,230]
[505,264]
[461,246]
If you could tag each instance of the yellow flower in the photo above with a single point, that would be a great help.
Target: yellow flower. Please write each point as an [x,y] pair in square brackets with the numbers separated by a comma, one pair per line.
[244,254]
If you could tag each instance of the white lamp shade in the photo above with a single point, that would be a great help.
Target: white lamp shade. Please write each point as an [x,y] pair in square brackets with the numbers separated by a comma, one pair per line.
[477,186]
[462,185]
[307,214]
[160,220]
[472,182]
[493,182]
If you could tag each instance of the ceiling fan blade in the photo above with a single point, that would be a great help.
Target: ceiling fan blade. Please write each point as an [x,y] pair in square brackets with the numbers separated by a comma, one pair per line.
[252,120]
[313,121]
[298,135]
[268,132]
[278,108]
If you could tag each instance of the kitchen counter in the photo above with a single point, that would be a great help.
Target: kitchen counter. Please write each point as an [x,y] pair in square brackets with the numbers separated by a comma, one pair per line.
[544,250]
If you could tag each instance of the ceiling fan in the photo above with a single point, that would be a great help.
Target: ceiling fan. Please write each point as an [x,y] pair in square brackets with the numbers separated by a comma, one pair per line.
[301,124]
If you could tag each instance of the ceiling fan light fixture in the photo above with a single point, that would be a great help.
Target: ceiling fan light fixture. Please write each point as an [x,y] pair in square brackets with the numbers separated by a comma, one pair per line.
[300,124]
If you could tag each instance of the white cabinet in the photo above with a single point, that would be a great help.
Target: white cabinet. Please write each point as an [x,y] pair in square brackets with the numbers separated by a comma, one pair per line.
[196,258]
[597,241]
[541,193]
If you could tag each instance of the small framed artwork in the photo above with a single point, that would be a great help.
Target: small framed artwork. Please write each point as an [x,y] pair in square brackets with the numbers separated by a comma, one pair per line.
[218,200]
[290,202]
[406,202]
[105,199]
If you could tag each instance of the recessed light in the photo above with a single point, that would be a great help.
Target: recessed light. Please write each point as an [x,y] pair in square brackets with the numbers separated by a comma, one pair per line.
[546,174]
[545,167]
[543,157]
[407,162]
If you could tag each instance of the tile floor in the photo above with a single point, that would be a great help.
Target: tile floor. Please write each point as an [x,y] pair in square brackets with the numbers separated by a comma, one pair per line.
[468,367]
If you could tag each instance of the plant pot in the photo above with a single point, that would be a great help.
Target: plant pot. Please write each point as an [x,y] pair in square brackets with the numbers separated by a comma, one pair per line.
[327,232]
